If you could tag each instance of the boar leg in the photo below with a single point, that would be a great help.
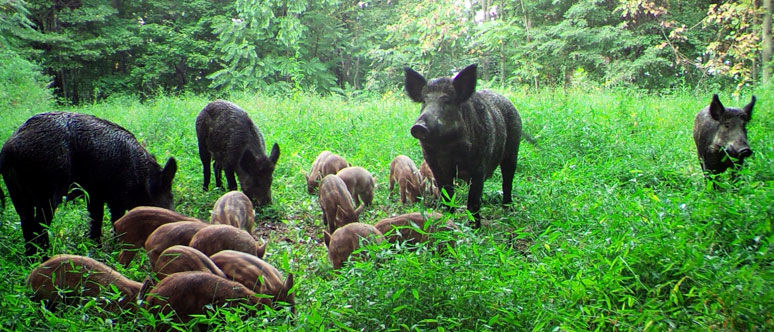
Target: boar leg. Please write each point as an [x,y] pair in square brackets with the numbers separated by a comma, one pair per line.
[32,221]
[218,175]
[392,186]
[402,187]
[204,155]
[230,179]
[474,198]
[96,209]
[508,169]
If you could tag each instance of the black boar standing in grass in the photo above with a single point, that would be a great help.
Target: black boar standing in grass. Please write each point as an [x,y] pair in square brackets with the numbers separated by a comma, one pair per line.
[52,151]
[228,136]
[720,134]
[465,133]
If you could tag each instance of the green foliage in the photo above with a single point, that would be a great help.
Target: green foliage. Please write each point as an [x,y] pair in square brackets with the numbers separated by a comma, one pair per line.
[176,53]
[613,225]
[23,90]
[266,44]
[97,48]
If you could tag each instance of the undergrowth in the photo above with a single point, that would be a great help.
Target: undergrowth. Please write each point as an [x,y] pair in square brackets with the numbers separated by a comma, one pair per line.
[613,226]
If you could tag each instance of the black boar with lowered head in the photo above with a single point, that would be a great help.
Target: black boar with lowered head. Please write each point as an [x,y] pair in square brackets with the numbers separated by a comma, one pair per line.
[720,134]
[465,133]
[52,151]
[228,136]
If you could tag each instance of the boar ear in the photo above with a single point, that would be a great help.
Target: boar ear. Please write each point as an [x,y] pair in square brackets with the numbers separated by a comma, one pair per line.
[716,108]
[275,153]
[326,239]
[414,84]
[465,83]
[168,173]
[749,108]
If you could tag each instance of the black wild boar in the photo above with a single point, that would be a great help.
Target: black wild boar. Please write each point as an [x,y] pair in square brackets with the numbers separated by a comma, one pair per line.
[465,133]
[52,151]
[228,136]
[720,134]
[338,208]
[325,163]
[404,172]
[359,182]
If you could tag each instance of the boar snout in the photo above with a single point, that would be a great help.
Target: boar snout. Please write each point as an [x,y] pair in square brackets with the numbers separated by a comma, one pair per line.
[419,130]
[738,149]
[745,153]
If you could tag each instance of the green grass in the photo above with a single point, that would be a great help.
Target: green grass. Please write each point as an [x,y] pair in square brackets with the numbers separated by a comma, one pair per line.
[613,225]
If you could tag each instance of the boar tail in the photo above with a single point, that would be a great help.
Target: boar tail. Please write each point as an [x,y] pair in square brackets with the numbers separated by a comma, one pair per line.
[529,138]
[2,195]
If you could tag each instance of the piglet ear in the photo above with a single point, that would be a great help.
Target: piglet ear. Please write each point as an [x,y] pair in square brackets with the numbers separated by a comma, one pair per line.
[260,251]
[289,283]
[326,239]
[465,83]
[716,108]
[415,82]
[340,214]
[749,108]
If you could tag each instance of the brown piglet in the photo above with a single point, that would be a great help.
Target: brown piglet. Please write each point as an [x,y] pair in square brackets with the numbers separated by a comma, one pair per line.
[137,224]
[171,234]
[411,227]
[404,172]
[429,188]
[179,258]
[67,277]
[360,184]
[325,163]
[336,203]
[234,208]
[214,238]
[256,274]
[187,293]
[347,239]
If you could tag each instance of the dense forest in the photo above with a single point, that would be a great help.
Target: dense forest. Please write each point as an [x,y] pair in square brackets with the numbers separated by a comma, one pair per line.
[91,49]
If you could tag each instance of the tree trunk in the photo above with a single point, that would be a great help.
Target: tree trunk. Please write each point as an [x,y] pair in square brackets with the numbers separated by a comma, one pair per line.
[767,45]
